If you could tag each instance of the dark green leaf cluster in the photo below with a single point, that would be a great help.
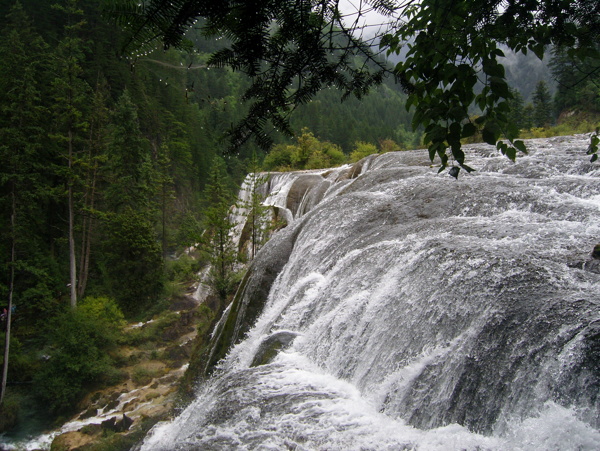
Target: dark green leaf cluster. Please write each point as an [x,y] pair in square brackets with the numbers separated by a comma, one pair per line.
[453,47]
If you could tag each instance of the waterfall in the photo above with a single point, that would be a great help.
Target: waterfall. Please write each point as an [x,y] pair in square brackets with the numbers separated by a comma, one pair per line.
[410,310]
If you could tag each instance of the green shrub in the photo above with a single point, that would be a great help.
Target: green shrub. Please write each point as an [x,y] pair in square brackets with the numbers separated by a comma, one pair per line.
[362,150]
[102,308]
[389,145]
[279,158]
[182,269]
[22,364]
[79,358]
[578,123]
[173,289]
[308,153]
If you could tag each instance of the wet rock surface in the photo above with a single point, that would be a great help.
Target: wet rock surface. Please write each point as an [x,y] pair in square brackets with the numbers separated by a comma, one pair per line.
[430,313]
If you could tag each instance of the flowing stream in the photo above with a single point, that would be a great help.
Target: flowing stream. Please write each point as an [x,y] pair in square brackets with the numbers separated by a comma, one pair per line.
[411,310]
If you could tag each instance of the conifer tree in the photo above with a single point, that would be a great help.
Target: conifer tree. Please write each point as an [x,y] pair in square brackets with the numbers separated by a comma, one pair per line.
[133,259]
[257,216]
[21,116]
[218,243]
[172,174]
[164,187]
[91,162]
[70,93]
[129,166]
[528,112]
[516,115]
[542,105]
[578,81]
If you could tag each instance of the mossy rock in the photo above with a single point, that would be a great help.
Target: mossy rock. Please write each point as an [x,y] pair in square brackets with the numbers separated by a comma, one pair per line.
[252,294]
[271,346]
[71,441]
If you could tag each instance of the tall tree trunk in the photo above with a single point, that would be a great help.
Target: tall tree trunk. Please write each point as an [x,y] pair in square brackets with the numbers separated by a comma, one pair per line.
[83,247]
[72,259]
[11,285]
[86,239]
[86,245]
[164,222]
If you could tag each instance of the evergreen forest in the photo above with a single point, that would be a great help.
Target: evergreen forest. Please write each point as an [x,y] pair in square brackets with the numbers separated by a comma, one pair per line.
[113,166]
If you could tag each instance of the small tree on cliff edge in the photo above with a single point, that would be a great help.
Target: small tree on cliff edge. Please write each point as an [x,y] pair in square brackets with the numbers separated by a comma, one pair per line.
[257,227]
[217,243]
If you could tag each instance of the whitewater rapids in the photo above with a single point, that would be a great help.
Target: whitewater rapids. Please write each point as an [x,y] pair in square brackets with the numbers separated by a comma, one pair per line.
[420,312]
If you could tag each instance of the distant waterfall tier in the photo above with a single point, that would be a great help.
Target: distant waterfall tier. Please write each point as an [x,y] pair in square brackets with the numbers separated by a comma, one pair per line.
[416,311]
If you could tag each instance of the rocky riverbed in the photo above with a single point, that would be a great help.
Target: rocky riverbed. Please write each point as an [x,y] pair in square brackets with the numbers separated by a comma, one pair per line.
[152,370]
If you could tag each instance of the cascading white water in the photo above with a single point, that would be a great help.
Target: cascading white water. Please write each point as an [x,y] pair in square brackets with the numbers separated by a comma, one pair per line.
[422,312]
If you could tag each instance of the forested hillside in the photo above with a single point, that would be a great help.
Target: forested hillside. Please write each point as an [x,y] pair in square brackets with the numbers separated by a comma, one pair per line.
[106,163]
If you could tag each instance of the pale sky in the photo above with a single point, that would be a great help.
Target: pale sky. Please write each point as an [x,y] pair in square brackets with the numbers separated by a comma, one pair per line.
[370,21]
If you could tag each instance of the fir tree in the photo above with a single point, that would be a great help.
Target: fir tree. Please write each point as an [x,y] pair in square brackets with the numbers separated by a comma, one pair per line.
[578,81]
[516,116]
[218,243]
[129,167]
[528,112]
[21,118]
[542,105]
[91,162]
[256,228]
[70,93]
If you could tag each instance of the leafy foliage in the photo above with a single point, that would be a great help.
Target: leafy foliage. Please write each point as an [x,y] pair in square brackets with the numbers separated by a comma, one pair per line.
[362,150]
[79,357]
[102,308]
[308,153]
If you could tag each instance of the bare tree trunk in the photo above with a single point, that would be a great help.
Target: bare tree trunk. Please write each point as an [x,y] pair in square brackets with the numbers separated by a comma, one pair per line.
[85,260]
[83,248]
[72,259]
[13,257]
[86,240]
[164,222]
